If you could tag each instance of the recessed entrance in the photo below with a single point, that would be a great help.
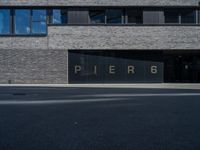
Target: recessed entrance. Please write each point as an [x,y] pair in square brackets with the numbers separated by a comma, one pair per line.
[182,66]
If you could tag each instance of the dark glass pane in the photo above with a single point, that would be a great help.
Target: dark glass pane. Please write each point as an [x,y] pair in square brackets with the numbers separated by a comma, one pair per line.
[39,28]
[188,16]
[114,16]
[135,16]
[4,21]
[22,21]
[97,16]
[171,16]
[39,15]
[59,16]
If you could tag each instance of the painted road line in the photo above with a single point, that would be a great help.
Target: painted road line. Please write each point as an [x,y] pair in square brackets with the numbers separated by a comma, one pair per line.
[136,95]
[103,98]
[46,102]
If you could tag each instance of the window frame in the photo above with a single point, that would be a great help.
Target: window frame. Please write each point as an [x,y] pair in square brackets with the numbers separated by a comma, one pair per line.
[10,22]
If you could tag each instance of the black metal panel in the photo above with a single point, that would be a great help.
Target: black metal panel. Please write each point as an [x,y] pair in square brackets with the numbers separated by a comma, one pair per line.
[115,66]
[154,67]
[135,67]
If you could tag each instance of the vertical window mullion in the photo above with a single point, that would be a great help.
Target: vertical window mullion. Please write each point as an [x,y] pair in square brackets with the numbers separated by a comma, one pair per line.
[125,17]
[49,16]
[122,16]
[11,21]
[197,16]
[47,19]
[31,15]
[179,18]
[105,16]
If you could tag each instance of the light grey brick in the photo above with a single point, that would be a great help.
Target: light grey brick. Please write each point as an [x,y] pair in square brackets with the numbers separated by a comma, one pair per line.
[33,66]
[124,37]
[99,2]
[123,2]
[23,2]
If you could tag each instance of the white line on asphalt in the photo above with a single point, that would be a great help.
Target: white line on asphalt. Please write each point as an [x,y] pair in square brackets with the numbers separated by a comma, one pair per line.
[107,97]
[137,95]
[42,102]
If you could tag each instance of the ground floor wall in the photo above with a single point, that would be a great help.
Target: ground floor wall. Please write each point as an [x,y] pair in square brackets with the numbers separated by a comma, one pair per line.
[33,66]
[99,66]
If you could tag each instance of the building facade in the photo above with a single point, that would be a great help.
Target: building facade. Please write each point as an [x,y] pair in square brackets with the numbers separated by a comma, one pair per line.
[99,41]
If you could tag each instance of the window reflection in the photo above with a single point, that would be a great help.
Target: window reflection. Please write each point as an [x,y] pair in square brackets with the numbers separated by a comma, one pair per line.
[114,16]
[39,22]
[59,16]
[97,16]
[22,21]
[188,16]
[4,21]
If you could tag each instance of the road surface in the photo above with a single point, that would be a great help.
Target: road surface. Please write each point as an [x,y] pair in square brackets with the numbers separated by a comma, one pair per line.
[99,119]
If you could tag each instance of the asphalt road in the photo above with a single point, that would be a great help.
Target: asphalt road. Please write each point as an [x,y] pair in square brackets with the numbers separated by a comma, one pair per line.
[99,119]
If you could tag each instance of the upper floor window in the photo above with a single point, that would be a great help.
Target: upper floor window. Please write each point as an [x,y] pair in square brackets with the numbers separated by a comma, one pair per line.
[97,16]
[30,21]
[22,21]
[171,16]
[179,16]
[39,21]
[134,16]
[59,16]
[114,16]
[188,16]
[5,21]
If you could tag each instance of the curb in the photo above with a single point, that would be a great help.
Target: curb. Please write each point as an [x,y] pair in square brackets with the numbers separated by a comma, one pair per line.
[153,86]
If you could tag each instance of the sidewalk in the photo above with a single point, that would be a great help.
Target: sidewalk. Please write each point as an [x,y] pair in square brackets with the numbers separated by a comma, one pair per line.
[150,85]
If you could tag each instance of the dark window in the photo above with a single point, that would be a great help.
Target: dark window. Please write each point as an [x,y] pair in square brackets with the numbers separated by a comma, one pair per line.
[188,16]
[171,16]
[97,16]
[22,21]
[78,16]
[135,16]
[59,16]
[39,22]
[114,15]
[4,21]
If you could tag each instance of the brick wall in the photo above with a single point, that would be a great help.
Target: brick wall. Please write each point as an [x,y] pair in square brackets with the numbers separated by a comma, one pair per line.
[99,2]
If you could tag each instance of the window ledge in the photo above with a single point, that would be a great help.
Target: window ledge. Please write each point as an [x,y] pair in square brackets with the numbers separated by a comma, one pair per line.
[22,35]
